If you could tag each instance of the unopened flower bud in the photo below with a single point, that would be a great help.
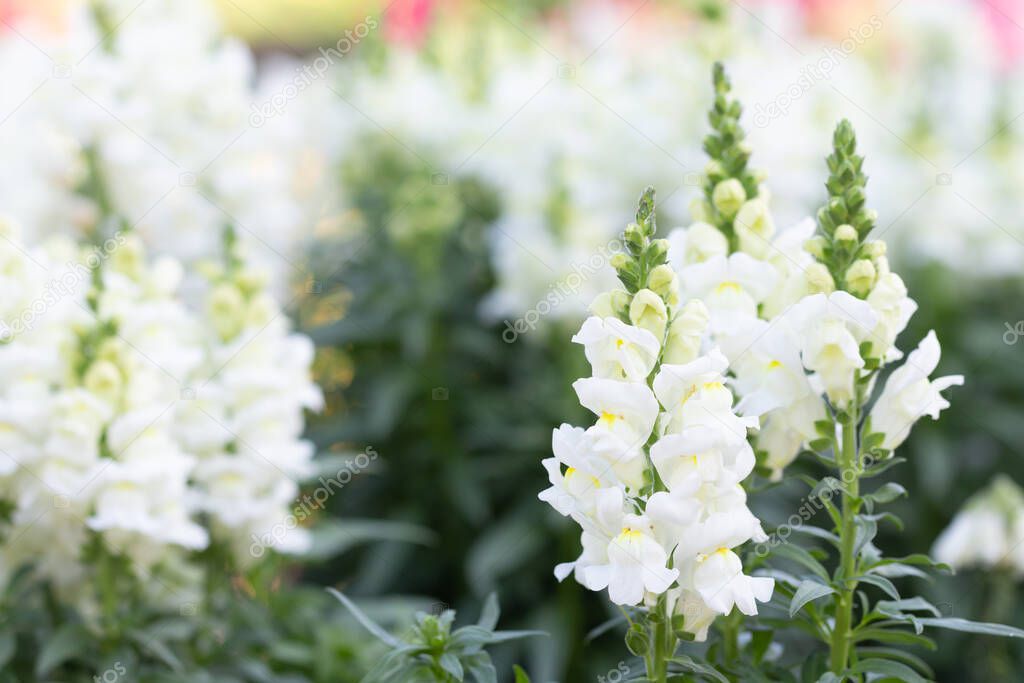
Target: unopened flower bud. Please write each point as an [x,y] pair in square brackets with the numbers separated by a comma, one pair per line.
[664,282]
[620,261]
[129,257]
[700,211]
[714,170]
[634,235]
[846,233]
[103,379]
[648,311]
[684,335]
[815,246]
[226,308]
[704,241]
[860,277]
[729,196]
[874,249]
[610,304]
[755,227]
[819,280]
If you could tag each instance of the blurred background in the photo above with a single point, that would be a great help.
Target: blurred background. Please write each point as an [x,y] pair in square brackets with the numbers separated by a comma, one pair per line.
[477,157]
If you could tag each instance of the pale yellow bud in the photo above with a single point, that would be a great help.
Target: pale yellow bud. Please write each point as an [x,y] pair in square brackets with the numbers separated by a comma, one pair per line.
[129,257]
[815,246]
[104,379]
[875,249]
[664,282]
[699,210]
[226,308]
[610,304]
[755,227]
[729,196]
[846,233]
[685,333]
[860,277]
[649,312]
[819,280]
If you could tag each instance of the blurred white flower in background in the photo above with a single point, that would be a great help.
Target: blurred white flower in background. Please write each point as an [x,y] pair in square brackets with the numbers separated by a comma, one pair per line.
[988,532]
[147,111]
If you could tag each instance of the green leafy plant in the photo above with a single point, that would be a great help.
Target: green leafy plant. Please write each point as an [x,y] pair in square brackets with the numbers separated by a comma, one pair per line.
[433,651]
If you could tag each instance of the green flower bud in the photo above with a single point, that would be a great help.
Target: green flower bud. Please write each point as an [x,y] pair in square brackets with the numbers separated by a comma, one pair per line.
[729,196]
[860,277]
[657,251]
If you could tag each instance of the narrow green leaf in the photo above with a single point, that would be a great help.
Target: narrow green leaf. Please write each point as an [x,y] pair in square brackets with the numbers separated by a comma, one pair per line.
[68,642]
[490,613]
[806,592]
[887,668]
[520,675]
[957,624]
[369,624]
[797,554]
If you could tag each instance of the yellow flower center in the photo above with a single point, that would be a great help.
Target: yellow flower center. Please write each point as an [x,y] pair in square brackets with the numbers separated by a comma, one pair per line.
[726,286]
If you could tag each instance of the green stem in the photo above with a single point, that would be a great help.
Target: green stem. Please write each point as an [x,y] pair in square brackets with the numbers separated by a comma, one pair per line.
[848,463]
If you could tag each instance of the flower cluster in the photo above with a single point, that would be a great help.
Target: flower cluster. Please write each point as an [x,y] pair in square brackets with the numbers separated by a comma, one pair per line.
[655,482]
[583,131]
[805,319]
[134,428]
[113,116]
[988,532]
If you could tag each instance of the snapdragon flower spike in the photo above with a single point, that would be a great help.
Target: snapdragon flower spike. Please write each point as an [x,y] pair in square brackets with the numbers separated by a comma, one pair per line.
[655,481]
[728,183]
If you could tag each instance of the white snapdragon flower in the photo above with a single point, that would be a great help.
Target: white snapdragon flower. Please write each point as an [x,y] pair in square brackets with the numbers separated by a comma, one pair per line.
[831,329]
[889,300]
[909,394]
[655,483]
[698,243]
[617,350]
[731,287]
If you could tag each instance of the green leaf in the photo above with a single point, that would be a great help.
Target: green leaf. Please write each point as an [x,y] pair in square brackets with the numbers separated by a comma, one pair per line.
[880,582]
[957,624]
[883,635]
[68,642]
[490,613]
[865,530]
[886,493]
[896,608]
[520,675]
[806,592]
[451,664]
[899,655]
[797,554]
[887,668]
[366,622]
[692,665]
